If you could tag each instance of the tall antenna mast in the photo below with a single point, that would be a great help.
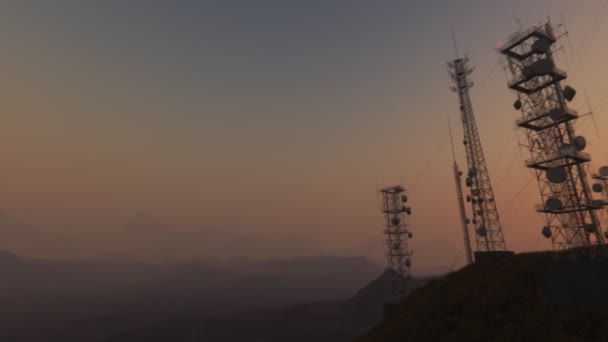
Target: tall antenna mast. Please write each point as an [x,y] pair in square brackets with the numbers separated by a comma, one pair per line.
[461,208]
[454,40]
[556,151]
[398,255]
[486,223]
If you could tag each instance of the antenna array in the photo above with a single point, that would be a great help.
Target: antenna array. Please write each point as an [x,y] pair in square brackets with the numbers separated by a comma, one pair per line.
[556,152]
[486,223]
[398,255]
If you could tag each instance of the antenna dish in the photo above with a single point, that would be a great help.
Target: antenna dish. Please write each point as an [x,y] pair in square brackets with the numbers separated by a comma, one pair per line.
[557,114]
[409,211]
[597,187]
[469,182]
[482,231]
[541,46]
[546,231]
[404,198]
[541,67]
[408,262]
[554,203]
[567,150]
[396,246]
[395,221]
[569,93]
[475,192]
[557,175]
[580,143]
[468,198]
[517,104]
[410,235]
[604,171]
[590,228]
[472,171]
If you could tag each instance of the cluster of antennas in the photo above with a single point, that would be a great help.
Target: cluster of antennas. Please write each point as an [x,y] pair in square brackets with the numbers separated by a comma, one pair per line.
[397,235]
[476,199]
[557,153]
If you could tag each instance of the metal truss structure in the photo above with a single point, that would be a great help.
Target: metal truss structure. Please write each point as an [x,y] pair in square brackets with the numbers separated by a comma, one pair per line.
[556,152]
[486,222]
[398,255]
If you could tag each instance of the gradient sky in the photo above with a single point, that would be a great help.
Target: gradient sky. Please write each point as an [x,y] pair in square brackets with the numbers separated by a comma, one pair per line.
[269,118]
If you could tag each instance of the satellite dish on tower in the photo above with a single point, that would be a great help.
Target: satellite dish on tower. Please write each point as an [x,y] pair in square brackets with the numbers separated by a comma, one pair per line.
[569,93]
[597,187]
[395,221]
[580,143]
[546,231]
[517,104]
[567,150]
[482,231]
[541,67]
[557,175]
[554,203]
[604,171]
[403,198]
[557,114]
[541,46]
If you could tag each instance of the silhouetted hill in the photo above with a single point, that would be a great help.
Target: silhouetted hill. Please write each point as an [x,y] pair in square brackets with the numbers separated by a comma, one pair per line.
[490,302]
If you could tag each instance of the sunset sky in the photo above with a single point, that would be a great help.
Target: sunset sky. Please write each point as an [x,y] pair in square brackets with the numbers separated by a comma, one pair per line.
[275,119]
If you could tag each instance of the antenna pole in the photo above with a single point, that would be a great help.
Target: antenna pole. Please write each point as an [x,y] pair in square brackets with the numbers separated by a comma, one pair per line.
[461,209]
[597,131]
[455,45]
[486,222]
[451,140]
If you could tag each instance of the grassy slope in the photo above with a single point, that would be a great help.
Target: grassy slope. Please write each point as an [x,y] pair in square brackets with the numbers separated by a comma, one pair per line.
[495,302]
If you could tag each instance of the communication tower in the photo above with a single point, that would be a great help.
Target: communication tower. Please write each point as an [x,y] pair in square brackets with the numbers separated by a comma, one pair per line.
[486,223]
[398,255]
[556,152]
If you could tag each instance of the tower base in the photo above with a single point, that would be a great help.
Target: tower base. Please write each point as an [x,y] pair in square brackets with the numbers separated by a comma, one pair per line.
[490,256]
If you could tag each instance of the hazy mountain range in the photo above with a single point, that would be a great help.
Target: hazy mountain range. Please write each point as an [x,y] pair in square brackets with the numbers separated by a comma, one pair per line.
[87,301]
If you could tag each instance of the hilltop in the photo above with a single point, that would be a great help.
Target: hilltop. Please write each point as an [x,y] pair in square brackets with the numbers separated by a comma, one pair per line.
[490,302]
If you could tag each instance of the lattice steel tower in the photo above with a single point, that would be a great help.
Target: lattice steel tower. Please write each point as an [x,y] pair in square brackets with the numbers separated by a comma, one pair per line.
[486,223]
[556,152]
[398,255]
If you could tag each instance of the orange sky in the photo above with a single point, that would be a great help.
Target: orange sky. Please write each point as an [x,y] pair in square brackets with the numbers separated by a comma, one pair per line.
[270,121]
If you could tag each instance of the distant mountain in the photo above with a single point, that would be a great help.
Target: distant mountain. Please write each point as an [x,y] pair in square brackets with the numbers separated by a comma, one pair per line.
[18,237]
[52,300]
[331,321]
